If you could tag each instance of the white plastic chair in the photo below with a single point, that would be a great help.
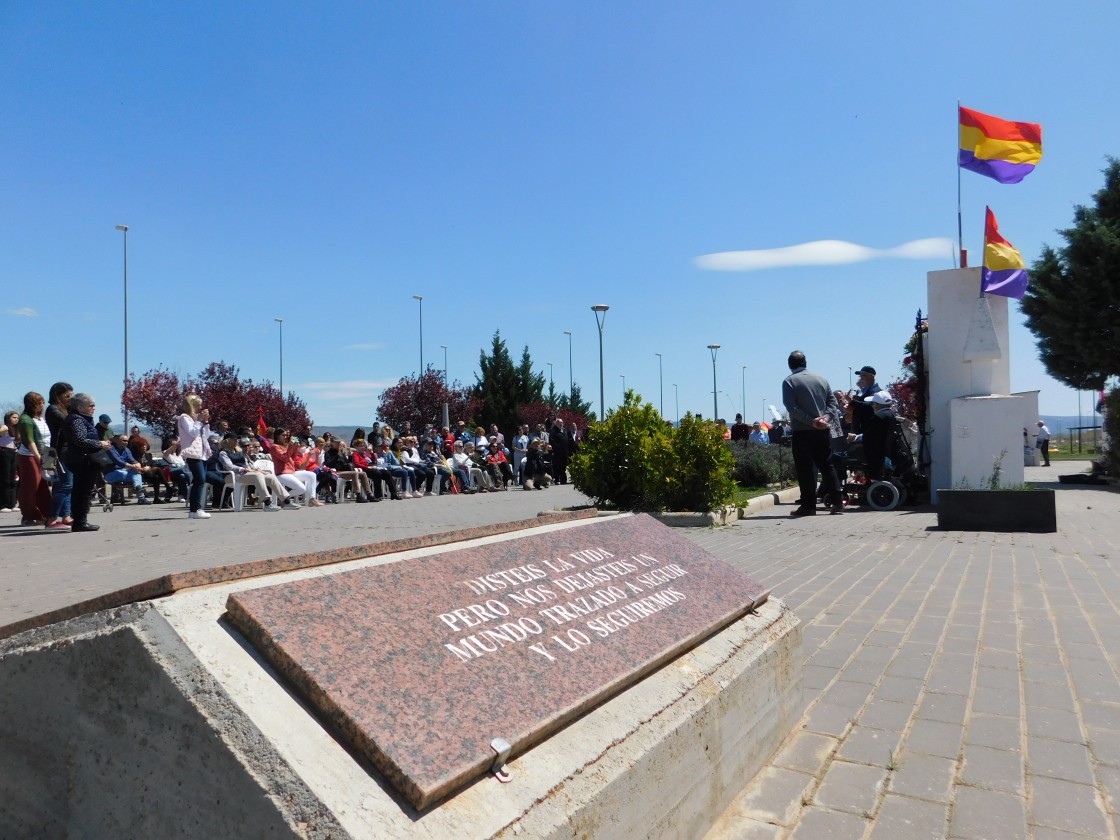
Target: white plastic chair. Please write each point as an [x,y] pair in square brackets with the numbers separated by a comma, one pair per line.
[240,490]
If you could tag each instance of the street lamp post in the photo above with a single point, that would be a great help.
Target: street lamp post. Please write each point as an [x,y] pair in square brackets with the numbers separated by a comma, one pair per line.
[280,321]
[420,299]
[124,229]
[444,348]
[764,420]
[849,377]
[677,404]
[744,393]
[600,310]
[623,375]
[571,377]
[660,383]
[715,395]
[551,387]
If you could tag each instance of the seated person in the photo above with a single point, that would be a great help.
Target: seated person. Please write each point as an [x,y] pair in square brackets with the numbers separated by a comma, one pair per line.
[501,471]
[413,458]
[437,462]
[235,460]
[376,474]
[534,469]
[486,485]
[470,475]
[176,466]
[343,468]
[394,462]
[127,470]
[214,476]
[258,460]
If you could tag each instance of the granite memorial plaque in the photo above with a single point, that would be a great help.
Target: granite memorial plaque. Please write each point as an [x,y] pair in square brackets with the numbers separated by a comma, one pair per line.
[419,664]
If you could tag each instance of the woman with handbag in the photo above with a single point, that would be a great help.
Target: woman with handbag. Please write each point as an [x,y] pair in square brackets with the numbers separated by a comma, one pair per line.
[57,409]
[194,429]
[83,444]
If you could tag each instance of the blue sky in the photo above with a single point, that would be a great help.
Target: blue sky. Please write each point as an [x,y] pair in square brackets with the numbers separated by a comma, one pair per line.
[515,164]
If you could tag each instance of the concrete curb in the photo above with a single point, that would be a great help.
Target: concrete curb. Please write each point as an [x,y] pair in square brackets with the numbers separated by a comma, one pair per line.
[761,503]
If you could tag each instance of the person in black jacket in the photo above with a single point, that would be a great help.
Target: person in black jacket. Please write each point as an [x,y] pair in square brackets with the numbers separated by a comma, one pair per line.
[58,400]
[82,441]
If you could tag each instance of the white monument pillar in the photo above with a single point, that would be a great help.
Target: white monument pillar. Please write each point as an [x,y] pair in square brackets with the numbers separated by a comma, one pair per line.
[973,418]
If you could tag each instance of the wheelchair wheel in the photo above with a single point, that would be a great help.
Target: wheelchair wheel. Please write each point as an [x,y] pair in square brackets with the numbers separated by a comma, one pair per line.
[882,495]
[902,494]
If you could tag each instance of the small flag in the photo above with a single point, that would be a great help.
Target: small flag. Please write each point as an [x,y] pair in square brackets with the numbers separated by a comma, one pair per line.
[262,427]
[997,148]
[1004,272]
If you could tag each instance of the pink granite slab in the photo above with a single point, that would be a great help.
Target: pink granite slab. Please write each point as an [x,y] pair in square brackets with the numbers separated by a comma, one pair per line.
[419,664]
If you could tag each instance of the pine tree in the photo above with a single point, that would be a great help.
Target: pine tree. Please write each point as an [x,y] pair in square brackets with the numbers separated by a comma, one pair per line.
[499,387]
[1072,303]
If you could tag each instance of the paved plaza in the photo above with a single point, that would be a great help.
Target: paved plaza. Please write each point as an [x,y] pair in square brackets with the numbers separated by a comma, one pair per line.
[956,684]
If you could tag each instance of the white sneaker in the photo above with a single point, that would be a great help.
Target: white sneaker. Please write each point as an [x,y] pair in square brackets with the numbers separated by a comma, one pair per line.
[199,514]
[272,507]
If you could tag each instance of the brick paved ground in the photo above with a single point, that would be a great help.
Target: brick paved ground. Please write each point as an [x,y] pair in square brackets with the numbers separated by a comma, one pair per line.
[956,684]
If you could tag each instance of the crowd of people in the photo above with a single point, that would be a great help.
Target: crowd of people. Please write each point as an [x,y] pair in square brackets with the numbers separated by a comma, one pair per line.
[55,460]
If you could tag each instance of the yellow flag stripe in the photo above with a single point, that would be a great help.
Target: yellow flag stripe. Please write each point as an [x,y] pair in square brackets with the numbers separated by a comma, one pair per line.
[999,257]
[1013,151]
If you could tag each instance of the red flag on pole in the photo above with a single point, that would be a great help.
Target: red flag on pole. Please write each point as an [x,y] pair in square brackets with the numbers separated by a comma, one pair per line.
[262,427]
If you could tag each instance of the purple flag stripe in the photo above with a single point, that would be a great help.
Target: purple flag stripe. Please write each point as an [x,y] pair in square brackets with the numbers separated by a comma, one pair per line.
[1000,170]
[1011,282]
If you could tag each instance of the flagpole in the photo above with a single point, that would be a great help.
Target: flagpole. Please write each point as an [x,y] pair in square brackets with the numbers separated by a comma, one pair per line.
[960,226]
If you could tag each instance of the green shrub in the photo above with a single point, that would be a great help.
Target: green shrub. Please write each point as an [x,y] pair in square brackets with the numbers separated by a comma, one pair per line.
[633,460]
[760,464]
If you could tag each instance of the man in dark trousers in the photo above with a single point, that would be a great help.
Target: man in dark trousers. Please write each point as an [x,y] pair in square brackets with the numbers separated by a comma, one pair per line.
[808,398]
[561,441]
[864,422]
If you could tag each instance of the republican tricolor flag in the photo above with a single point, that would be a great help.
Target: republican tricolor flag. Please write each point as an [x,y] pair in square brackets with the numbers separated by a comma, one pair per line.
[1004,272]
[997,148]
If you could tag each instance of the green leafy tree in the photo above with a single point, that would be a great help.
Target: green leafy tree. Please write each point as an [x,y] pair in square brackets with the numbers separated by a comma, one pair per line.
[503,389]
[420,401]
[1072,303]
[575,403]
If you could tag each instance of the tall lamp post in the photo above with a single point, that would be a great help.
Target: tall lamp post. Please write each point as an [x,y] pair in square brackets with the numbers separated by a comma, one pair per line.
[600,310]
[280,321]
[571,378]
[677,403]
[660,383]
[849,377]
[444,348]
[124,229]
[744,393]
[715,394]
[623,375]
[420,299]
[551,387]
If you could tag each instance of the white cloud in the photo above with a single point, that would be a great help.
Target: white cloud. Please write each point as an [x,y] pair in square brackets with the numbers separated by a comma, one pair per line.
[363,346]
[823,252]
[24,312]
[349,389]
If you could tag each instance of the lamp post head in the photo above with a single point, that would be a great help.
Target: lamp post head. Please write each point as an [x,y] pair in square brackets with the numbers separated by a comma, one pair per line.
[123,228]
[417,297]
[713,346]
[443,347]
[278,320]
[600,307]
[568,333]
[658,355]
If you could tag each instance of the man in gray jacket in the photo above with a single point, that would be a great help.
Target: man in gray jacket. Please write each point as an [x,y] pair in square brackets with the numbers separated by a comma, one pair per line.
[808,399]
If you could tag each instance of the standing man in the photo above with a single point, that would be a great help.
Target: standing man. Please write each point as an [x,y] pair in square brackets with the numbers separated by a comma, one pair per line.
[561,451]
[739,429]
[1043,443]
[808,400]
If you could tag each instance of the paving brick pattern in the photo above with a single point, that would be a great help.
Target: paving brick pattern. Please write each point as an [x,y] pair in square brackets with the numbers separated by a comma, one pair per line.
[957,685]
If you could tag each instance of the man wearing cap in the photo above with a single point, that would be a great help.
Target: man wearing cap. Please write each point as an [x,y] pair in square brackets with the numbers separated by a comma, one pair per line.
[1043,443]
[808,399]
[104,432]
[874,429]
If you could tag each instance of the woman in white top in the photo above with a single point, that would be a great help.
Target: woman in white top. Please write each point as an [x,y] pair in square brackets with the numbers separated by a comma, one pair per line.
[194,428]
[8,462]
